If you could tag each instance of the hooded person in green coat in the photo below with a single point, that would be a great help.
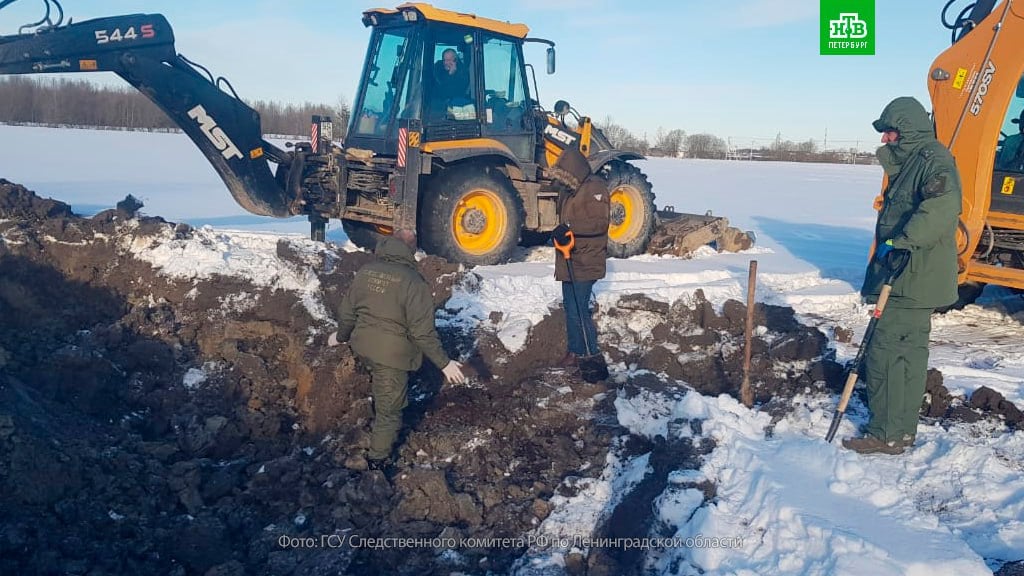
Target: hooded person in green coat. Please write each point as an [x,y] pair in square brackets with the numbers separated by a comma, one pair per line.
[917,223]
[387,316]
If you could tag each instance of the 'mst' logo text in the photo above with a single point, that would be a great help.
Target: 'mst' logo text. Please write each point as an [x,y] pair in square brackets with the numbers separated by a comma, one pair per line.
[214,133]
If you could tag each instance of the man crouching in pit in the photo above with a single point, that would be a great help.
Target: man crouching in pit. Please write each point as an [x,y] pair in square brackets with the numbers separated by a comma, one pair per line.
[387,316]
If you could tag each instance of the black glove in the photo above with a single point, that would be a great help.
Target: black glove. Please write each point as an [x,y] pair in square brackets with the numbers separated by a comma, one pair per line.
[560,235]
[896,260]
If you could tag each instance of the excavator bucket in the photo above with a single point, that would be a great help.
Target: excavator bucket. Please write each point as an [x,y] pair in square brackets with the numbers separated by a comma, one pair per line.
[679,234]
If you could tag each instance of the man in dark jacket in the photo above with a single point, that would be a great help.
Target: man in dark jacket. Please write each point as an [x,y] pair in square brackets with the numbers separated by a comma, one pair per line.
[585,211]
[451,83]
[388,318]
[921,205]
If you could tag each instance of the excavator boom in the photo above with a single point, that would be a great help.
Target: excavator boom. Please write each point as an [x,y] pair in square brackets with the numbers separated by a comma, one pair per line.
[140,49]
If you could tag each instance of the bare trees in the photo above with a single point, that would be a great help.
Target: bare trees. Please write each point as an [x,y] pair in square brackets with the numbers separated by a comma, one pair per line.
[76,102]
[293,119]
[68,102]
[666,142]
[622,138]
[705,146]
[71,102]
[671,142]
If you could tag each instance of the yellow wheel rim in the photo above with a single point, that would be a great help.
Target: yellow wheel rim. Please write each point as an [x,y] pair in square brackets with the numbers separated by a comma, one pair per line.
[626,213]
[479,222]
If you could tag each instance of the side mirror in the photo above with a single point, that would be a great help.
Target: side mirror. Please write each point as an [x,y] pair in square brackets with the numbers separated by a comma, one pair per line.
[551,60]
[561,108]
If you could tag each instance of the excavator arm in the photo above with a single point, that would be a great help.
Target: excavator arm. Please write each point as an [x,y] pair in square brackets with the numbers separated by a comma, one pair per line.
[140,49]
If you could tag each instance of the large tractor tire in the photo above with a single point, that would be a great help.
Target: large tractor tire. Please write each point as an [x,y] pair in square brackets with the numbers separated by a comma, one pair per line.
[632,210]
[362,234]
[472,215]
[967,293]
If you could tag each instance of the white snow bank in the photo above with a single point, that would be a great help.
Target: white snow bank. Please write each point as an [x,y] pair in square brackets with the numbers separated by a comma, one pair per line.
[803,506]
[252,256]
[524,293]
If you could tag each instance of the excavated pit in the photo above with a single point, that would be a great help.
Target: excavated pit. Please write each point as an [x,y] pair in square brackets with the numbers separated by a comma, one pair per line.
[159,424]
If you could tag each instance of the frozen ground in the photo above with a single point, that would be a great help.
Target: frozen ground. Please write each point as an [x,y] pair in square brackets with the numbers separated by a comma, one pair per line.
[954,505]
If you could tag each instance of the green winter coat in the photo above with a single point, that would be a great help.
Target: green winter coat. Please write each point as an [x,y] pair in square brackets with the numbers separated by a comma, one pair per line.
[388,313]
[920,210]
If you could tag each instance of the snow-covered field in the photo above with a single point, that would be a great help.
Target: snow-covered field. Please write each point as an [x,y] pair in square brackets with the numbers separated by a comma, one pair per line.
[952,505]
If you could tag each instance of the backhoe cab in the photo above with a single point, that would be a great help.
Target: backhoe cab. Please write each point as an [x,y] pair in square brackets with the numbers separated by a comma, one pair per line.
[446,136]
[446,95]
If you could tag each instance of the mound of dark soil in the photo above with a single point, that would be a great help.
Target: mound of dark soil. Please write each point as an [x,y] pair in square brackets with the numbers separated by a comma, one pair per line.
[157,425]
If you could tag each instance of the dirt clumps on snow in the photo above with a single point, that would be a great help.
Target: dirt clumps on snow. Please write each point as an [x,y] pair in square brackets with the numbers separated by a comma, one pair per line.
[162,412]
[983,403]
[690,340]
[195,423]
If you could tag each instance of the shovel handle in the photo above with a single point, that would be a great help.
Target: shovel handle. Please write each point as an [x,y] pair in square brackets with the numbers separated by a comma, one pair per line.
[883,298]
[851,380]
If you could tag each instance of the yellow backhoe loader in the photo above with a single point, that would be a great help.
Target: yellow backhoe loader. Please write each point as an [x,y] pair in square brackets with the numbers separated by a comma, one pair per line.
[447,135]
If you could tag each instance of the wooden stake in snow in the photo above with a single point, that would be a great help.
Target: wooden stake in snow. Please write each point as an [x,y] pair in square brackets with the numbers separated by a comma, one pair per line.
[746,394]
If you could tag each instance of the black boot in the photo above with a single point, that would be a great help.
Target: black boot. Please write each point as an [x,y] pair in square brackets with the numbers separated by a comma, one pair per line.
[593,369]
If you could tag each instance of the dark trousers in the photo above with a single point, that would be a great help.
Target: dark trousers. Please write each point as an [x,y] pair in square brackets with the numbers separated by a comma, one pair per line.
[390,390]
[896,369]
[573,330]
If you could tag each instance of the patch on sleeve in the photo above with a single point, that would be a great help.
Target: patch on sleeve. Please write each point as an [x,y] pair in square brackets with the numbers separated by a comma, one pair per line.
[934,187]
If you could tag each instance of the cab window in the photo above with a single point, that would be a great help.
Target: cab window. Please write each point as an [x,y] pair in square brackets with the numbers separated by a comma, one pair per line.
[450,83]
[504,88]
[1010,151]
[382,83]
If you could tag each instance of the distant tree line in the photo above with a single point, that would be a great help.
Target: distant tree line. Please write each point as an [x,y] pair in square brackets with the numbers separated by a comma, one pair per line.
[69,102]
[677,143]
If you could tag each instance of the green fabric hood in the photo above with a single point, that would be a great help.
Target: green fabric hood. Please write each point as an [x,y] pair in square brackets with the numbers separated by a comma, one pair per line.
[907,116]
[391,249]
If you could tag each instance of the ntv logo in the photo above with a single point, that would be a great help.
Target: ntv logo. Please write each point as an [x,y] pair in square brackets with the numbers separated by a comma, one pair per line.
[848,25]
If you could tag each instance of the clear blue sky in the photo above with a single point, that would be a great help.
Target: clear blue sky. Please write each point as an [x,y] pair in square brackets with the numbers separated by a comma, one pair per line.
[742,69]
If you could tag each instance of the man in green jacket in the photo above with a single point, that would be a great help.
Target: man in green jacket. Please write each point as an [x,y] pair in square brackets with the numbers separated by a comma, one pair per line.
[921,205]
[388,318]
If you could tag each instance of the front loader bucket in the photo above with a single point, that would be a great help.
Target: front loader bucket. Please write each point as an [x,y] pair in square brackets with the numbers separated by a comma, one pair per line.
[680,234]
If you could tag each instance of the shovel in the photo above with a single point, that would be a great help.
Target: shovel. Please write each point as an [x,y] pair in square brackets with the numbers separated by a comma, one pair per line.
[593,368]
[897,261]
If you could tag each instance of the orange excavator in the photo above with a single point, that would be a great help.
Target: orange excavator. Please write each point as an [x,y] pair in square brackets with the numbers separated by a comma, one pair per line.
[977,95]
